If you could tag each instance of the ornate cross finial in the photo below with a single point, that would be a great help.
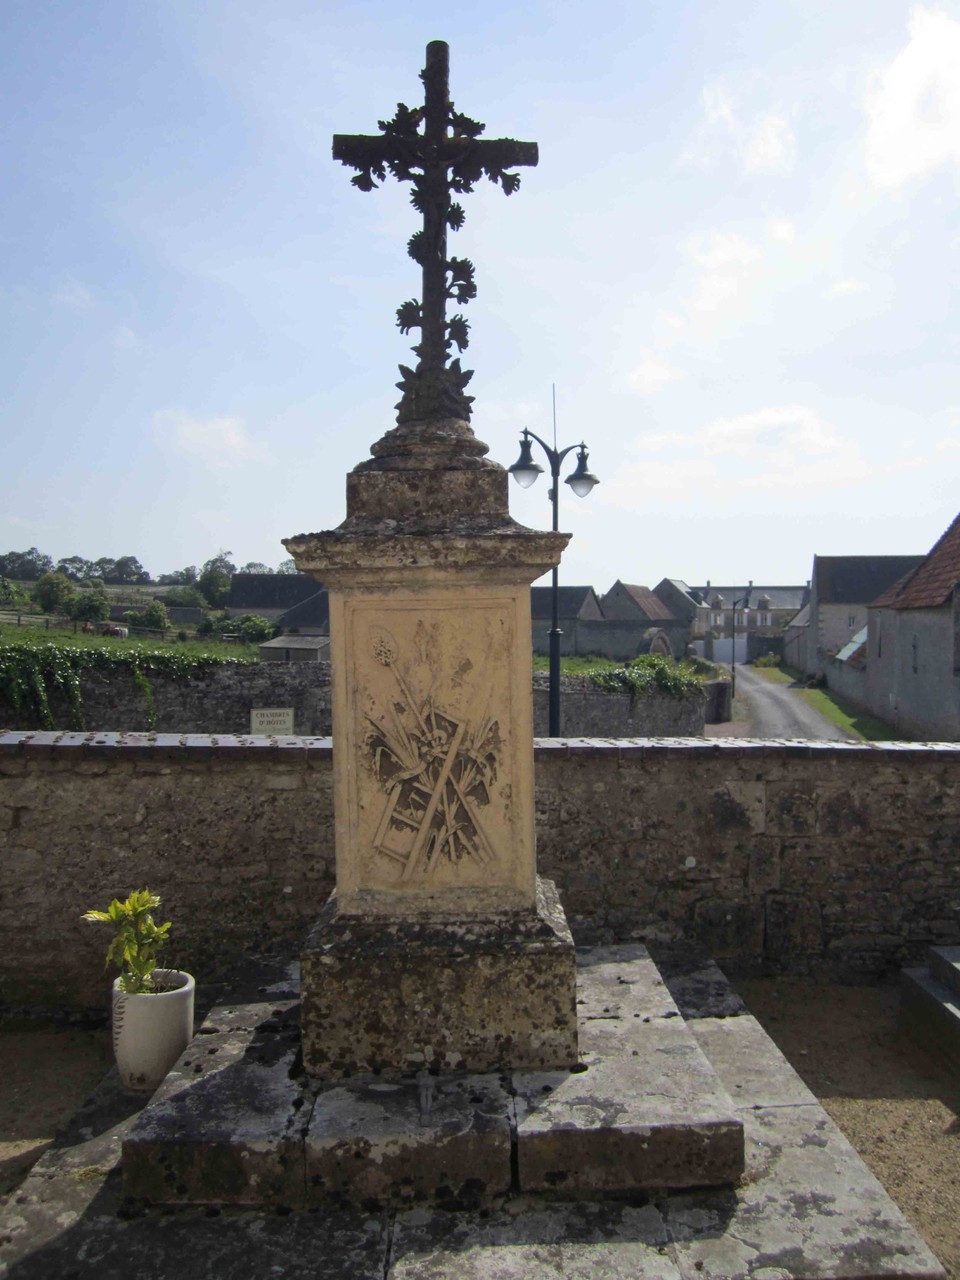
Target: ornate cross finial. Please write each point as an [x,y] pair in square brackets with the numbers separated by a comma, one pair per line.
[446,156]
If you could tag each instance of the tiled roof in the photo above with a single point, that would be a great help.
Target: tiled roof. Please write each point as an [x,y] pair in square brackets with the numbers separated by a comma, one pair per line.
[651,605]
[780,597]
[858,579]
[931,583]
[575,602]
[314,612]
[270,590]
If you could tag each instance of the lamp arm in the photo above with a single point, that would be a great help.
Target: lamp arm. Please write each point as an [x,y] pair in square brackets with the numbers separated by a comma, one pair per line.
[555,456]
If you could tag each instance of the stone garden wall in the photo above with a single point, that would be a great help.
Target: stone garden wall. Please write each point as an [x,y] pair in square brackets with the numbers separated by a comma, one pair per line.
[798,857]
[221,702]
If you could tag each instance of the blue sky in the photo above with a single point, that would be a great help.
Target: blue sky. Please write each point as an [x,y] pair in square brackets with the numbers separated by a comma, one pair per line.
[737,261]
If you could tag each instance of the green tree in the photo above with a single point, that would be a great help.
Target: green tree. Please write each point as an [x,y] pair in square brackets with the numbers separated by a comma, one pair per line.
[128,570]
[13,596]
[255,566]
[286,566]
[215,578]
[52,592]
[186,577]
[153,618]
[88,606]
[76,568]
[252,628]
[25,566]
[187,597]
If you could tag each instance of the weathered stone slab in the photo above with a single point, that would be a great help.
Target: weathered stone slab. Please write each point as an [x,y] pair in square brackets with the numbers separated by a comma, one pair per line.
[225,1127]
[644,1109]
[620,982]
[534,1242]
[379,1142]
[810,1210]
[930,1012]
[475,995]
[944,965]
[751,1068]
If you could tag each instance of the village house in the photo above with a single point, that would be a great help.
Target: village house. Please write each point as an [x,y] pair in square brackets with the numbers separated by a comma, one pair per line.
[913,646]
[841,588]
[749,617]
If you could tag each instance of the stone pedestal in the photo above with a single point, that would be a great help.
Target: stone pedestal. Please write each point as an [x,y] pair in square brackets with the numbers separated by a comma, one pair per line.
[473,994]
[438,949]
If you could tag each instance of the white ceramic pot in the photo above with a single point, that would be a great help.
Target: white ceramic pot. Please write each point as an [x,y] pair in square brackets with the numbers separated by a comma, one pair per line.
[150,1031]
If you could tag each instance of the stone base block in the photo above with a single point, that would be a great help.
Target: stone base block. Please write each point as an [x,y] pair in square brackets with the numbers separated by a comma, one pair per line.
[436,1140]
[225,1127]
[644,1110]
[401,996]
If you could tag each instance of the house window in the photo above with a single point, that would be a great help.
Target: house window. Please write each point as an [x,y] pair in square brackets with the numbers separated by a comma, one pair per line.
[913,648]
[763,620]
[851,620]
[718,619]
[739,619]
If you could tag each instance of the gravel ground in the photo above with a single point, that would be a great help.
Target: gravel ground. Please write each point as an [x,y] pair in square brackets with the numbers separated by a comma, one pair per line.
[897,1105]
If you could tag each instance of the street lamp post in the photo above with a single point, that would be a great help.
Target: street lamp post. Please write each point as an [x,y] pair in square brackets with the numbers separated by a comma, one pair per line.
[744,600]
[525,471]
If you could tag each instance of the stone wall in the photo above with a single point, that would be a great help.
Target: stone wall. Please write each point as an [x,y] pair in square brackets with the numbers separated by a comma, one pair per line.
[589,712]
[795,858]
[218,702]
[221,701]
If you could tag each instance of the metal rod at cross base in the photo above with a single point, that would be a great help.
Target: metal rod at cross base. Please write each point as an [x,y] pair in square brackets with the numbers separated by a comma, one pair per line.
[525,471]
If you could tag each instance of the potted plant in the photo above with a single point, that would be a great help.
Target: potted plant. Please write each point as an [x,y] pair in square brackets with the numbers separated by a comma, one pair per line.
[152,1013]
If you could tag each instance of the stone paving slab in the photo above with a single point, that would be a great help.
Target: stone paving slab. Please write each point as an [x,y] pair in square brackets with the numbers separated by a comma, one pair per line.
[646,1110]
[750,1066]
[534,1242]
[444,1141]
[226,1126]
[810,1211]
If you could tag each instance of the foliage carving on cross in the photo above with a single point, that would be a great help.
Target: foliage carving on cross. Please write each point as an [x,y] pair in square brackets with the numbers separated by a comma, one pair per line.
[438,150]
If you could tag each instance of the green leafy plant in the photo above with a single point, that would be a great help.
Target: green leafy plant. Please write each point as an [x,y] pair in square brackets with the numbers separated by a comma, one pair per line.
[137,939]
[29,669]
[648,672]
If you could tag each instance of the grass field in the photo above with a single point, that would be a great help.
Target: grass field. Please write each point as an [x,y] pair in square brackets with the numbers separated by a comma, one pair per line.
[833,708]
[65,635]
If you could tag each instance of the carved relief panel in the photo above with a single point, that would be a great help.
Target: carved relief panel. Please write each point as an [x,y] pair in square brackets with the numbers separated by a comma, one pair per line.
[436,701]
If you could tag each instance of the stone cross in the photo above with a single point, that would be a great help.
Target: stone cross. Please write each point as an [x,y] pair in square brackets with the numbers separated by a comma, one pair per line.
[446,157]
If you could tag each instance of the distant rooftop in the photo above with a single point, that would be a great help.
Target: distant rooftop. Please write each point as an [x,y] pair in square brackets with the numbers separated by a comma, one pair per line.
[931,583]
[858,579]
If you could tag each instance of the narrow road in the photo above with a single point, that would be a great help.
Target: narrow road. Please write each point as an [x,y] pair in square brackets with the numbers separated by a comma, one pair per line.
[778,711]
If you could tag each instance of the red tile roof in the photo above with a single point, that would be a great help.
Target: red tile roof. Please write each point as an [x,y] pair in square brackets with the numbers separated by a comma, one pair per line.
[931,584]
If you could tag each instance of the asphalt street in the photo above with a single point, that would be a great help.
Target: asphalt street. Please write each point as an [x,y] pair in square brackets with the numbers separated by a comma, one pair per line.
[778,711]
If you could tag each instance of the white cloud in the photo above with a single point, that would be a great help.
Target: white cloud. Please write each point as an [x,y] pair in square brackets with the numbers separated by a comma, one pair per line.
[762,141]
[784,452]
[651,374]
[218,442]
[913,104]
[768,145]
[841,288]
[781,230]
[726,260]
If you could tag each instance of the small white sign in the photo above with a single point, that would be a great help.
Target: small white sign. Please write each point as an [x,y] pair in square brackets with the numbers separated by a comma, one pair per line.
[271,720]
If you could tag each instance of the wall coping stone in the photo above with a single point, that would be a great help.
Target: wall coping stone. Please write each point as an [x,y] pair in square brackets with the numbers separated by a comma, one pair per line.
[292,749]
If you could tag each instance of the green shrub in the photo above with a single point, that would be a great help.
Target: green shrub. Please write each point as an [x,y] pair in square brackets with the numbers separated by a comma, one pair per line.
[648,672]
[767,660]
[252,629]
